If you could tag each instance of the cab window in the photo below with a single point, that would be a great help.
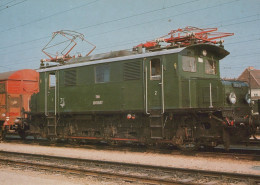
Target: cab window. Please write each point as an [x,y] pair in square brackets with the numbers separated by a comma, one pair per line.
[189,64]
[52,80]
[155,69]
[210,66]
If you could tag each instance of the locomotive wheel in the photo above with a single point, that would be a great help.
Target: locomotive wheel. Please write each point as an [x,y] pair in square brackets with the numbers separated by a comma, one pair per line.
[22,134]
[185,135]
[226,139]
[52,139]
[184,143]
[188,146]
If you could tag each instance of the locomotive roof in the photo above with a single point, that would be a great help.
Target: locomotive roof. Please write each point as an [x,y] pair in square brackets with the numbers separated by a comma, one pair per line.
[129,55]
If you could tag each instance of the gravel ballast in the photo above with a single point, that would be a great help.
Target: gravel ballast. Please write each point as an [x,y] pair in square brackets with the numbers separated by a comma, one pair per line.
[167,160]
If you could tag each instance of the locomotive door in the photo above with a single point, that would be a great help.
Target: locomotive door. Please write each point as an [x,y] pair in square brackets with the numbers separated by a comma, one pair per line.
[51,102]
[154,100]
[154,86]
[50,93]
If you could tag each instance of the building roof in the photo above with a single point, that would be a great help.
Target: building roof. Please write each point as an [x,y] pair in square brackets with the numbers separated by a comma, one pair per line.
[251,75]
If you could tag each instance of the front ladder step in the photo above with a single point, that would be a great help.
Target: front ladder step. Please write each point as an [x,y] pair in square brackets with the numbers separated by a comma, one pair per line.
[52,125]
[156,126]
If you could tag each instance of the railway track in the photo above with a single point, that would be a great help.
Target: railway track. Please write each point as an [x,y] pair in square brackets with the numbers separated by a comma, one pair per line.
[126,171]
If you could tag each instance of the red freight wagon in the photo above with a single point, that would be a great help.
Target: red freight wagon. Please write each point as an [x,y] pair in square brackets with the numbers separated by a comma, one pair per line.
[16,88]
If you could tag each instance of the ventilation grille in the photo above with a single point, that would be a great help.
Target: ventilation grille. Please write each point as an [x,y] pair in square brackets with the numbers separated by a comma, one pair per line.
[70,77]
[132,70]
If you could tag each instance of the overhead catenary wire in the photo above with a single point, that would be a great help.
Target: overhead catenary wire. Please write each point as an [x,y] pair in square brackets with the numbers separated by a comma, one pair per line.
[133,42]
[43,18]
[12,5]
[47,37]
[135,15]
[7,3]
[155,20]
[165,18]
[106,22]
[122,18]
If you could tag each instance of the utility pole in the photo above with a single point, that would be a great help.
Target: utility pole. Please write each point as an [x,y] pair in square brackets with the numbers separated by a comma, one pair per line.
[249,81]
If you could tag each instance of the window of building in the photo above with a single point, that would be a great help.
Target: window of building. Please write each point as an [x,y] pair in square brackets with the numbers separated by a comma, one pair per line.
[189,64]
[52,80]
[210,66]
[155,69]
[102,73]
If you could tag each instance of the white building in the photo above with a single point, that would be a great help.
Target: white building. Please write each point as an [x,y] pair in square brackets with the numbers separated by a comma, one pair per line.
[252,77]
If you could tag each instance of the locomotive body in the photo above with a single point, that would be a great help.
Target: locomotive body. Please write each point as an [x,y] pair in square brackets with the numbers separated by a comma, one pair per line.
[16,88]
[170,95]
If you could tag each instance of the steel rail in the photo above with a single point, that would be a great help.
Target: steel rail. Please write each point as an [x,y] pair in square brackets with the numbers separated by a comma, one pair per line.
[5,157]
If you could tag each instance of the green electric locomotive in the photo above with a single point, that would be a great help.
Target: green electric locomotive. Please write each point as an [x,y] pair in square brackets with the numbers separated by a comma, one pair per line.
[151,94]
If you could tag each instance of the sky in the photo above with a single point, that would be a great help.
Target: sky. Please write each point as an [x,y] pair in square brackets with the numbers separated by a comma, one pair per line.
[26,26]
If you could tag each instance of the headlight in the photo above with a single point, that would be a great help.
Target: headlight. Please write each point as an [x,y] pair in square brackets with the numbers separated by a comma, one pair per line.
[3,115]
[232,98]
[248,98]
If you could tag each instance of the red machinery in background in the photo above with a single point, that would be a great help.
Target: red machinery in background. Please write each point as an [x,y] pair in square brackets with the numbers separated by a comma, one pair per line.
[16,88]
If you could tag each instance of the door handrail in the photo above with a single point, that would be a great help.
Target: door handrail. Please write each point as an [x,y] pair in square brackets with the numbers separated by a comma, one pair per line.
[46,94]
[162,88]
[146,94]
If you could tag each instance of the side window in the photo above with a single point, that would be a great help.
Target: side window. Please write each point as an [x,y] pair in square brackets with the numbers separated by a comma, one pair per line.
[102,73]
[52,80]
[155,69]
[210,66]
[189,64]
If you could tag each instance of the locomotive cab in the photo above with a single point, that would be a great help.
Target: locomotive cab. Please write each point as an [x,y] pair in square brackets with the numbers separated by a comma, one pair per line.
[199,76]
[201,60]
[208,104]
